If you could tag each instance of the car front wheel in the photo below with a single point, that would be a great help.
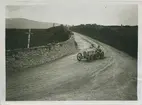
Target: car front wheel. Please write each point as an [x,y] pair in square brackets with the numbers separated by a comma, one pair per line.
[79,56]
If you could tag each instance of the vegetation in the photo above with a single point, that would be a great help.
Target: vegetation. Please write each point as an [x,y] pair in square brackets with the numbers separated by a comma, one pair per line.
[18,38]
[124,38]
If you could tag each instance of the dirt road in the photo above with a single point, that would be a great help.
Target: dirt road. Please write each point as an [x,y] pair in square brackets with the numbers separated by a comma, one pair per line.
[112,78]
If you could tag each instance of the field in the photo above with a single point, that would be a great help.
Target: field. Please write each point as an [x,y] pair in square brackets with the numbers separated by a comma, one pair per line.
[18,38]
[124,38]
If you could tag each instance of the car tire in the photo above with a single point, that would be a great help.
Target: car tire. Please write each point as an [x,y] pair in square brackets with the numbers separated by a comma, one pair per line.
[79,56]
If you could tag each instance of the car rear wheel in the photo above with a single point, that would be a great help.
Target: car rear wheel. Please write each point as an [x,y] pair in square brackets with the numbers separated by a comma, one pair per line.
[97,56]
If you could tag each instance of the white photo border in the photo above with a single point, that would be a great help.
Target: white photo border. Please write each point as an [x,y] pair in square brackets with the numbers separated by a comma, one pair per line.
[36,2]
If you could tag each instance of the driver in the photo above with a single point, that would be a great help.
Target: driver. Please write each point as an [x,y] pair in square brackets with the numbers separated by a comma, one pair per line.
[98,48]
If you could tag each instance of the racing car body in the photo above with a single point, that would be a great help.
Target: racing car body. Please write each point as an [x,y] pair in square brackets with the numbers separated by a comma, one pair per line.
[90,54]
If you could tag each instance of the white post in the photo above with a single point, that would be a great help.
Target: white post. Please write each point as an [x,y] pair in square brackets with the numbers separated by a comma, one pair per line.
[29,36]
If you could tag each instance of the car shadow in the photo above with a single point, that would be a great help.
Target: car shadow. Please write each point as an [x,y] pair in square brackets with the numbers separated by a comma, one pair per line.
[84,60]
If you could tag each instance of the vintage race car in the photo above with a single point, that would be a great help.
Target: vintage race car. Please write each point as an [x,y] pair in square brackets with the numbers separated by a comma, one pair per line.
[90,54]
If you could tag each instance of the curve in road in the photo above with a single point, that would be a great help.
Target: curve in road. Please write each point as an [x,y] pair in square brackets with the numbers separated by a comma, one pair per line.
[112,78]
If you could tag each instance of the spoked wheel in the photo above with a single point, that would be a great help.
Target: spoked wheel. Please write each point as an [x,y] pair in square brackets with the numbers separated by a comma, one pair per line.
[79,56]
[97,56]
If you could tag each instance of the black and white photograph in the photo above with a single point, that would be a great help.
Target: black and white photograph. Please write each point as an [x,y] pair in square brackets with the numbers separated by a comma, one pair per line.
[69,52]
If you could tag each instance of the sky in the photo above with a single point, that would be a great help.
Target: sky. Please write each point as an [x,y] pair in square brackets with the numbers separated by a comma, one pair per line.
[77,13]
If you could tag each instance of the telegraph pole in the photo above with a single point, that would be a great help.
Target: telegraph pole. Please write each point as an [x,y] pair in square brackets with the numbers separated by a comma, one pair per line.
[29,37]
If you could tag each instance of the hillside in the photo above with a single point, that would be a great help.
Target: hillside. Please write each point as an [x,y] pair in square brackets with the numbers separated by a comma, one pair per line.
[21,23]
[124,38]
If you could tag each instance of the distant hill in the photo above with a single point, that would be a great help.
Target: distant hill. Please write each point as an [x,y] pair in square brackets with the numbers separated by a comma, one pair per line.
[21,23]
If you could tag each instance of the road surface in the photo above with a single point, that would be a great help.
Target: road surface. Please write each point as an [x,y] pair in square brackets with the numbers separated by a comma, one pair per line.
[111,78]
